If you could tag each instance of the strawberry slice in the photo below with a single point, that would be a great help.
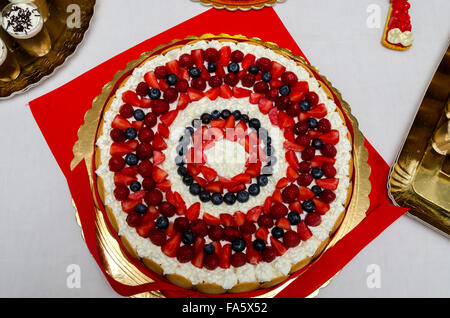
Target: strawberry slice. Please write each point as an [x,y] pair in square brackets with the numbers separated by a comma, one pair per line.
[321,207]
[209,173]
[131,98]
[267,205]
[305,194]
[158,174]
[254,169]
[183,101]
[164,186]
[277,69]
[289,135]
[215,187]
[277,197]
[285,121]
[242,178]
[230,122]
[217,248]
[123,179]
[227,219]
[137,196]
[241,129]
[292,160]
[303,231]
[226,92]
[130,171]
[158,142]
[281,249]
[236,189]
[180,204]
[253,214]
[129,206]
[163,131]
[150,79]
[227,184]
[218,123]
[295,206]
[265,105]
[158,158]
[211,220]
[330,184]
[205,74]
[120,149]
[184,74]
[198,58]
[293,146]
[276,83]
[193,170]
[133,144]
[273,116]
[173,67]
[262,233]
[121,123]
[239,218]
[193,212]
[314,134]
[253,256]
[224,257]
[292,174]
[220,71]
[195,94]
[319,161]
[301,86]
[319,111]
[169,118]
[284,224]
[331,138]
[199,252]
[255,98]
[172,245]
[144,228]
[297,96]
[248,61]
[283,183]
[225,56]
[202,182]
[241,92]
[213,93]
[137,125]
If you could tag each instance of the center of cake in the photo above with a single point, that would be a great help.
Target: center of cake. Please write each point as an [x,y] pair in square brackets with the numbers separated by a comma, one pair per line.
[227,158]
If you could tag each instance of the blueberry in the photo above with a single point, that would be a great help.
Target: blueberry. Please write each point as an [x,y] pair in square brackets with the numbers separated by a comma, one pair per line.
[237,115]
[259,245]
[305,106]
[141,209]
[312,123]
[195,189]
[308,206]
[154,93]
[206,119]
[135,186]
[188,238]
[131,159]
[181,150]
[233,68]
[197,123]
[215,114]
[179,161]
[253,69]
[238,245]
[317,143]
[272,161]
[205,196]
[212,67]
[139,115]
[262,180]
[130,133]
[182,171]
[277,232]
[263,133]
[189,131]
[209,249]
[317,173]
[171,79]
[225,114]
[243,196]
[217,199]
[162,223]
[255,123]
[267,170]
[229,198]
[317,190]
[294,218]
[187,180]
[266,77]
[268,150]
[254,189]
[195,72]
[245,118]
[184,140]
[284,90]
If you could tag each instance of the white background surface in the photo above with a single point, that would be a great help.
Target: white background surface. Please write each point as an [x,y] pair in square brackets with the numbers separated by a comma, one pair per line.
[39,237]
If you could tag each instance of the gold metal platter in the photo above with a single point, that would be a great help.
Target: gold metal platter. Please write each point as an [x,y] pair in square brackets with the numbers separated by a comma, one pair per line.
[114,259]
[420,178]
[65,39]
[244,5]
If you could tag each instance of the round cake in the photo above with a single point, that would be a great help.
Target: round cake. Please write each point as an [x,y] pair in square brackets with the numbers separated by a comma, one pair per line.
[225,166]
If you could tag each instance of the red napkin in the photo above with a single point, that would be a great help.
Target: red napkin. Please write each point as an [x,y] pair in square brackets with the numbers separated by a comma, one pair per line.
[76,98]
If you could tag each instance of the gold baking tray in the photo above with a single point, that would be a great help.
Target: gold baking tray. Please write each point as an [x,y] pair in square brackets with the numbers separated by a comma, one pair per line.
[114,259]
[64,43]
[244,5]
[420,178]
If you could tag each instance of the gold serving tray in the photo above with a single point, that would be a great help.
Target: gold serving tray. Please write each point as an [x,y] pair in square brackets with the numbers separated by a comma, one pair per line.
[64,43]
[420,178]
[244,5]
[114,259]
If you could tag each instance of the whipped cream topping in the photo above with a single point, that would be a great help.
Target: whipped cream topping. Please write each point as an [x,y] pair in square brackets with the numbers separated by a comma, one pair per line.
[396,36]
[227,278]
[22,20]
[227,158]
[3,52]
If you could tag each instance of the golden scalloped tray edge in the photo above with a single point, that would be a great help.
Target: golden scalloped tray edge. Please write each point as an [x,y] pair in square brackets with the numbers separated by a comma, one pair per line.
[239,5]
[114,259]
[420,177]
[36,70]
